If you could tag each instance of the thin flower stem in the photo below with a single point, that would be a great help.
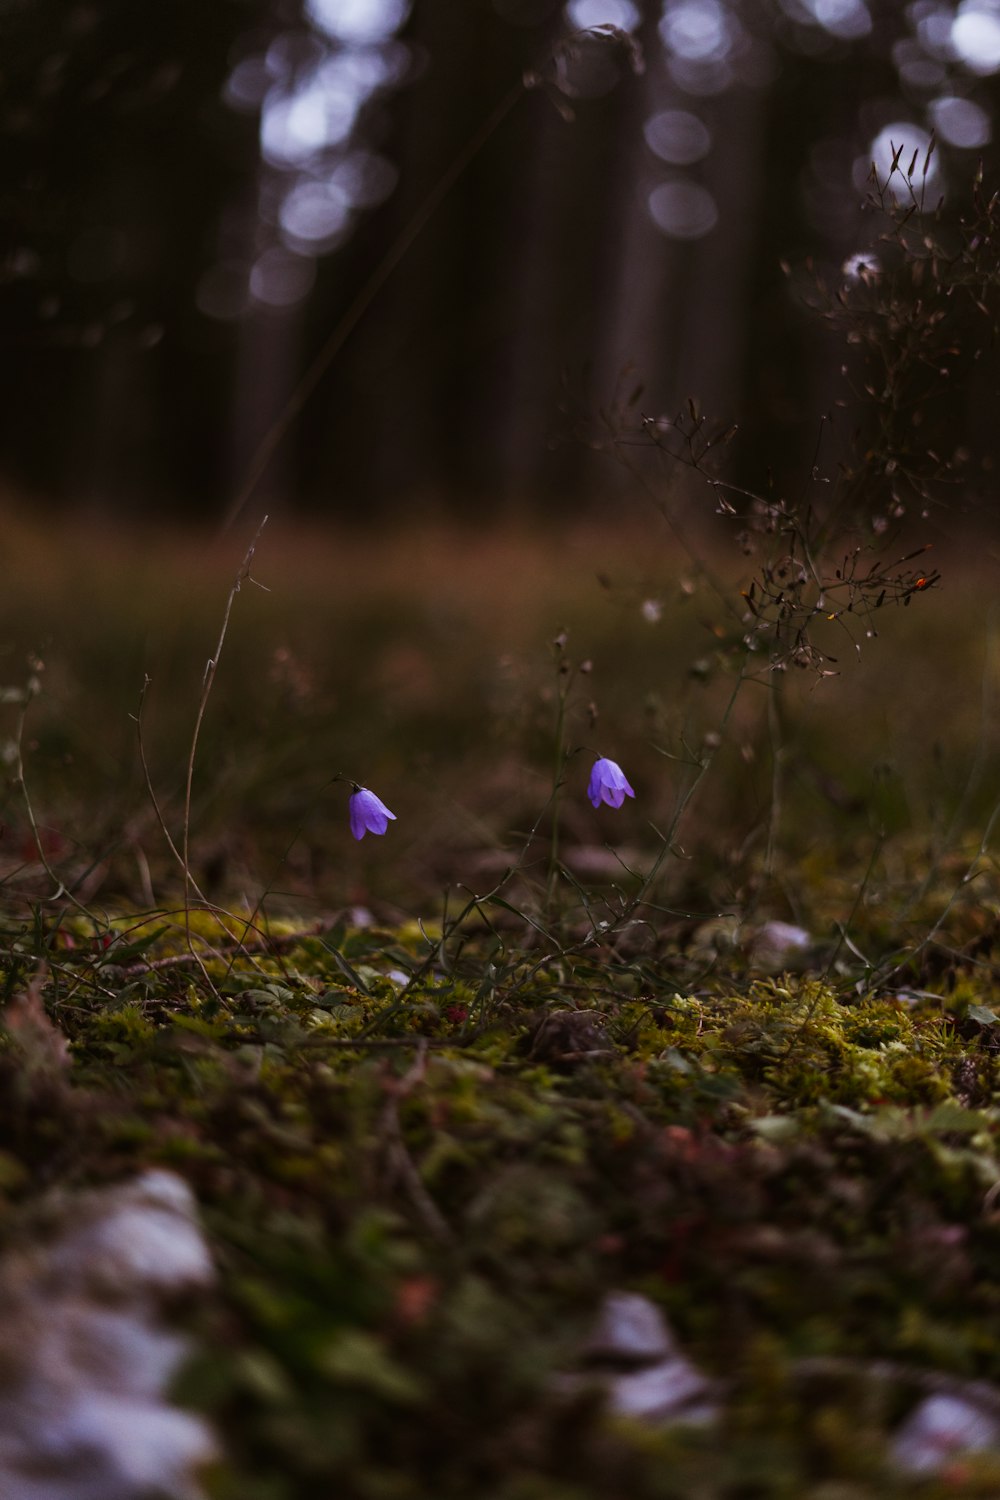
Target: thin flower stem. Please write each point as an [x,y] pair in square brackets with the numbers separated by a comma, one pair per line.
[151,793]
[775,725]
[206,689]
[649,880]
[558,770]
[62,890]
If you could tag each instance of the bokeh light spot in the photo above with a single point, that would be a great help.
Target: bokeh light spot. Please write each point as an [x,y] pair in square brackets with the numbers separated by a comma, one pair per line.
[847,19]
[678,137]
[295,127]
[975,36]
[934,25]
[961,123]
[683,210]
[916,70]
[358,21]
[248,84]
[582,14]
[315,215]
[697,30]
[365,177]
[904,137]
[280,278]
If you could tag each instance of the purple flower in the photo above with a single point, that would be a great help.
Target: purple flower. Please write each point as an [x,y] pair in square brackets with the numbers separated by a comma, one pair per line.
[608,784]
[368,813]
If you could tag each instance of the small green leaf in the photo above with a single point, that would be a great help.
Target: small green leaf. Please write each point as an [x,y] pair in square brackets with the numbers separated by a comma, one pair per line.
[776,1129]
[349,972]
[356,1358]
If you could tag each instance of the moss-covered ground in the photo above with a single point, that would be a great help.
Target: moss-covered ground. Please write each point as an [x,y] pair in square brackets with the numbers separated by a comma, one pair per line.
[425,1144]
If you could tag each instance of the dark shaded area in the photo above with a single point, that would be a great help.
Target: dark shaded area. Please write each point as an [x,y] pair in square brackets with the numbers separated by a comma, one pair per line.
[144,362]
[118,154]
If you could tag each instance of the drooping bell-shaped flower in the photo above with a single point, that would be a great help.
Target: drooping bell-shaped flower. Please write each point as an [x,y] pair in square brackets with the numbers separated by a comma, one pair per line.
[608,783]
[369,813]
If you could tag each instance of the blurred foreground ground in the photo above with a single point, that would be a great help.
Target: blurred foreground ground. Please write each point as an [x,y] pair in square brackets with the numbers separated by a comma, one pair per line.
[416,1168]
[419,661]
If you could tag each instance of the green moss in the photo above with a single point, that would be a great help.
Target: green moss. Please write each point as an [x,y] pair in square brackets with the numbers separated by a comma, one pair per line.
[417,1203]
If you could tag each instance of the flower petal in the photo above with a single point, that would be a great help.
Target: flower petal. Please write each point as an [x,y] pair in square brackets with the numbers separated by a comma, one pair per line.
[368,813]
[608,783]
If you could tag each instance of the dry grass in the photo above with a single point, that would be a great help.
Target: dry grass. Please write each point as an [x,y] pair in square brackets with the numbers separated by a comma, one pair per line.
[417,659]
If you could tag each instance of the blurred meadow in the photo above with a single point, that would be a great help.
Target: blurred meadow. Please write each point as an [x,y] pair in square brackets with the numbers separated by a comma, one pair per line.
[424,661]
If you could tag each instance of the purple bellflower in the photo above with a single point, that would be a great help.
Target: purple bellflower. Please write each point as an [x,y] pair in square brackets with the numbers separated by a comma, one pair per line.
[368,813]
[608,784]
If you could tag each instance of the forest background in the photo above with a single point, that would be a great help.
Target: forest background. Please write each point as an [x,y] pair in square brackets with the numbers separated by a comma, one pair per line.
[195,199]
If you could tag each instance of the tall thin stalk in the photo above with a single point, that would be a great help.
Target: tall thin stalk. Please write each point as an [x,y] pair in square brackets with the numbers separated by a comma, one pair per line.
[207,682]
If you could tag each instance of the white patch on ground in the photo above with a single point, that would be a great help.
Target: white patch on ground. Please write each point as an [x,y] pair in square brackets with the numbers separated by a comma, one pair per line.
[632,1356]
[938,1430]
[85,1360]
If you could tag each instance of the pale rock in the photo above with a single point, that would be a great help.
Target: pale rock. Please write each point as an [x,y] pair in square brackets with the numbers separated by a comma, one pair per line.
[629,1327]
[671,1391]
[634,1359]
[778,945]
[85,1360]
[940,1428]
